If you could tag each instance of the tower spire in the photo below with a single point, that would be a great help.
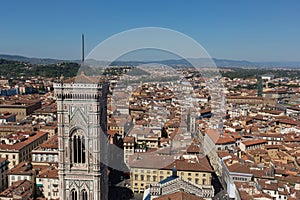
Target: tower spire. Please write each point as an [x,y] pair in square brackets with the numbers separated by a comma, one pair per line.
[82,50]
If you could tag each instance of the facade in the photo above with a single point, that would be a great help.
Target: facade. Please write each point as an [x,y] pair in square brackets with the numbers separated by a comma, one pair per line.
[47,152]
[128,144]
[234,171]
[23,171]
[50,128]
[82,138]
[214,141]
[17,147]
[174,184]
[149,170]
[21,109]
[47,181]
[252,144]
[3,173]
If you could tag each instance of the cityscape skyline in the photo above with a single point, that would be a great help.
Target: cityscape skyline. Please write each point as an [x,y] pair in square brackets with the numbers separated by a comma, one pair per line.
[196,100]
[254,31]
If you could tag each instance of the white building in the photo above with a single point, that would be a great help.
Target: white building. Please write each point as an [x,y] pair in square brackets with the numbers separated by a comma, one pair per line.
[47,181]
[47,152]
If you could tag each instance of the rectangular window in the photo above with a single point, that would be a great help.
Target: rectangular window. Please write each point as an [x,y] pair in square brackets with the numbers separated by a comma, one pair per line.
[154,178]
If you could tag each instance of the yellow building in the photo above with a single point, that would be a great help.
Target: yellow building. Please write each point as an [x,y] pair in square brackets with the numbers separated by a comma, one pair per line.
[17,147]
[151,169]
[20,108]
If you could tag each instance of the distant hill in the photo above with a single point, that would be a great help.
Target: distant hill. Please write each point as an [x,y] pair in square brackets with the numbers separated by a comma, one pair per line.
[38,61]
[179,62]
[223,63]
[17,69]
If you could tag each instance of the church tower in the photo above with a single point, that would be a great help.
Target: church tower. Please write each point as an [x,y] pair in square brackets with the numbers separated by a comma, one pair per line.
[82,138]
[82,128]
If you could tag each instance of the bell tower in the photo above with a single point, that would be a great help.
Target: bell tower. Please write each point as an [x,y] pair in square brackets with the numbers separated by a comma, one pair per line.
[82,128]
[82,138]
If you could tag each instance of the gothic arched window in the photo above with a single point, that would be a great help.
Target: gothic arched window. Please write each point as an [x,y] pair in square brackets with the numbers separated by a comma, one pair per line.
[78,147]
[84,194]
[74,194]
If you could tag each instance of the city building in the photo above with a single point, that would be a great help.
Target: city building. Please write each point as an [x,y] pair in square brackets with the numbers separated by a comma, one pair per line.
[129,147]
[234,171]
[47,152]
[22,189]
[16,147]
[47,182]
[82,137]
[21,108]
[3,173]
[172,185]
[24,171]
[147,170]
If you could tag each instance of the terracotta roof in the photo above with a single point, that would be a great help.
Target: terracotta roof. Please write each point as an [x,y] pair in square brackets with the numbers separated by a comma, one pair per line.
[128,139]
[51,143]
[213,134]
[225,140]
[50,172]
[222,154]
[22,144]
[21,188]
[200,165]
[150,161]
[239,168]
[254,142]
[26,168]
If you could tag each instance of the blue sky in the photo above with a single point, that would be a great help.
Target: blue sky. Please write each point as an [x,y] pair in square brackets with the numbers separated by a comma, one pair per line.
[257,30]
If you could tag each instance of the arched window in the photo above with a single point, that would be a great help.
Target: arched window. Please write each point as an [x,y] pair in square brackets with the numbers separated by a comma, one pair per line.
[74,194]
[78,145]
[84,194]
